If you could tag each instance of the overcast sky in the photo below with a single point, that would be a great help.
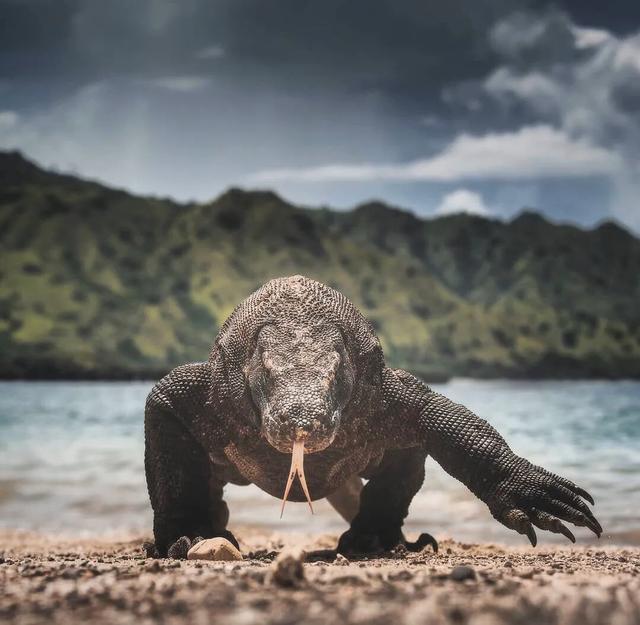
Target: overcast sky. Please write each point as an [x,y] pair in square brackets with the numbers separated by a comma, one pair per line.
[486,106]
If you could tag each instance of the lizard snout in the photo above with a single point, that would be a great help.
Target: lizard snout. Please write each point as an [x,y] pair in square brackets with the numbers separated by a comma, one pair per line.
[315,424]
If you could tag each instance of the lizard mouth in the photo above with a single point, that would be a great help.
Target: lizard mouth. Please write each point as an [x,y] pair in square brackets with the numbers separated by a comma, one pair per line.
[296,470]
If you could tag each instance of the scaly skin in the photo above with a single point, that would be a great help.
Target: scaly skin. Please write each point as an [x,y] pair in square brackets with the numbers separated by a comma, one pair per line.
[297,360]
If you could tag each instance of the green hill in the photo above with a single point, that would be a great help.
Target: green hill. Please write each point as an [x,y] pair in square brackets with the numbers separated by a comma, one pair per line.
[96,282]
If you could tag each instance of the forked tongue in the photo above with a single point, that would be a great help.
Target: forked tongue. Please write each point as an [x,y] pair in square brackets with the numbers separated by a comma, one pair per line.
[297,468]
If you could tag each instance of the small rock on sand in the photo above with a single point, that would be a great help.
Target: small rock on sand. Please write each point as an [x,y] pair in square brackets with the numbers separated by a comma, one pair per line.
[288,570]
[219,549]
[462,573]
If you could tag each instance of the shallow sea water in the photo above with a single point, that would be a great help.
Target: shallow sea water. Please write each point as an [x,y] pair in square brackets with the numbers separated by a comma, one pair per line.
[71,459]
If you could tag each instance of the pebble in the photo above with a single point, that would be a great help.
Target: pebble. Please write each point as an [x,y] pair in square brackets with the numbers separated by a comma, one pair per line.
[462,573]
[71,573]
[352,580]
[403,575]
[218,549]
[288,570]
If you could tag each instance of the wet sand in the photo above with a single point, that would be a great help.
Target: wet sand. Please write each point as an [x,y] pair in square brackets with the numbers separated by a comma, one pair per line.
[47,579]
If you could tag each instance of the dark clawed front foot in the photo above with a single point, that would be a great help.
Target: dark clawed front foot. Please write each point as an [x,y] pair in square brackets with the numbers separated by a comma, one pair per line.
[353,543]
[424,540]
[532,496]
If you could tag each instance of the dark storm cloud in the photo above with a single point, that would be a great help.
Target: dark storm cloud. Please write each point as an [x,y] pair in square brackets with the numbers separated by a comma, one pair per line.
[619,16]
[339,78]
[185,98]
[404,49]
[559,101]
[401,53]
[73,40]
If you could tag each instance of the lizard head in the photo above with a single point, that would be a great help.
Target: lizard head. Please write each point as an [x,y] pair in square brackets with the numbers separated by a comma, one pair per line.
[300,378]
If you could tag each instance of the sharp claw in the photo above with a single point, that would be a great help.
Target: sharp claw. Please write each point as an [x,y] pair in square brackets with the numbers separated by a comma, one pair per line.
[423,540]
[565,531]
[577,490]
[583,507]
[531,534]
[573,499]
[598,526]
[545,521]
[595,527]
[585,495]
[592,523]
[573,514]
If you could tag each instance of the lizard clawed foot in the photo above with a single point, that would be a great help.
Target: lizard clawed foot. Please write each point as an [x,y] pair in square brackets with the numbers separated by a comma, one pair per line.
[532,496]
[180,547]
[355,543]
[424,540]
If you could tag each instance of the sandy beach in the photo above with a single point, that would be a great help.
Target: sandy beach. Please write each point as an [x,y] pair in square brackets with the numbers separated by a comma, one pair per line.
[44,578]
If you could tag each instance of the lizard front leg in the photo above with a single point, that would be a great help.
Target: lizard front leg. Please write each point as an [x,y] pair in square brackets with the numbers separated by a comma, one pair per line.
[185,492]
[519,494]
[384,504]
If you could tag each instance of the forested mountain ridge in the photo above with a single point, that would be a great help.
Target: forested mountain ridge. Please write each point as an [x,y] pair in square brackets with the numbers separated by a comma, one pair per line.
[96,282]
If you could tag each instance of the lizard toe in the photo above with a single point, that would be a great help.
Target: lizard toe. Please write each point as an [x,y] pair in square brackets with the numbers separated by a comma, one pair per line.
[424,540]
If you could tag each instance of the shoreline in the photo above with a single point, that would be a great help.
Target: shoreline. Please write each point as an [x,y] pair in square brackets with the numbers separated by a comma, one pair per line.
[46,578]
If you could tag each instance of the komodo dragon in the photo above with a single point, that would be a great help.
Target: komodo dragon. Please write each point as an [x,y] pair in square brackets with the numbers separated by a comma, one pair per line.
[297,374]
